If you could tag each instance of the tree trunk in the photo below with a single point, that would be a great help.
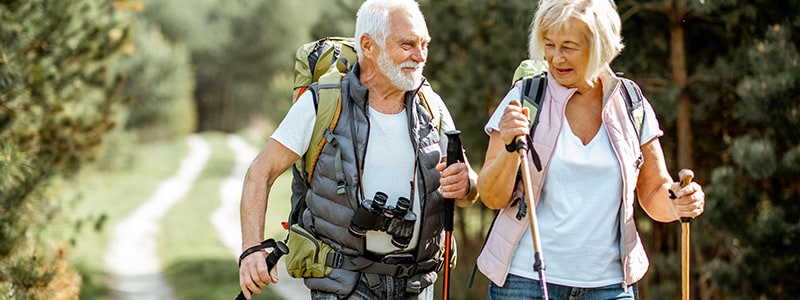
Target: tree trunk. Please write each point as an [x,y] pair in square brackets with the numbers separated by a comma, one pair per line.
[683,120]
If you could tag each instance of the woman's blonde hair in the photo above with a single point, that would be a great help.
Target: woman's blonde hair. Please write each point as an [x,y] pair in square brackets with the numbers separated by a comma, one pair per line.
[600,16]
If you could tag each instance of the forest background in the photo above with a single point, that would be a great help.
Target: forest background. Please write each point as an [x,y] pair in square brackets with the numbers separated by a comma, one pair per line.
[83,82]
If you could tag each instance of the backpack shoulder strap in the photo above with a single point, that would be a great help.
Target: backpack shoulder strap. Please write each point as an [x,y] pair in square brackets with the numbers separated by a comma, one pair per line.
[328,104]
[431,105]
[532,90]
[633,100]
[533,75]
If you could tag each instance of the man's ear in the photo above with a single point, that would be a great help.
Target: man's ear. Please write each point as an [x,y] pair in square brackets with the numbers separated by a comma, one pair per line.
[368,46]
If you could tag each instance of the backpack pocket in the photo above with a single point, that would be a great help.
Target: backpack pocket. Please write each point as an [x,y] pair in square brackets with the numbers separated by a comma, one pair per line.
[307,255]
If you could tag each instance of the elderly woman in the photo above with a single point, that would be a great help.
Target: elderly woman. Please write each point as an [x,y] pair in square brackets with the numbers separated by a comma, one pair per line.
[594,165]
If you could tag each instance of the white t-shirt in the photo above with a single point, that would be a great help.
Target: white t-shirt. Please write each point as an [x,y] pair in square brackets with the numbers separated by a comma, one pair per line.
[388,163]
[578,213]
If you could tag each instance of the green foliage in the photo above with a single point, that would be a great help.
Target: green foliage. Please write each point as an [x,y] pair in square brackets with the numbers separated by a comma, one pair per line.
[759,184]
[236,48]
[336,18]
[56,98]
[757,157]
[160,82]
[475,47]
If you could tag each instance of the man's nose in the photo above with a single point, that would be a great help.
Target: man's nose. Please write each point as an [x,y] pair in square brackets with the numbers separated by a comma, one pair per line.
[419,54]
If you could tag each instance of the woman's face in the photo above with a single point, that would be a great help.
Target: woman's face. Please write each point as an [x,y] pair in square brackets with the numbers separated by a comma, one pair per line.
[567,54]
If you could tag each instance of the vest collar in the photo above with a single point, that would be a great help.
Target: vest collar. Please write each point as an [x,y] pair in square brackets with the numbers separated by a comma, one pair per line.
[358,93]
[560,93]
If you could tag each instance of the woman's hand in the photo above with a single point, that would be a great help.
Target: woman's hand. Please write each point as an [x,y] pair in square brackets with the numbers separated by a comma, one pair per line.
[514,122]
[689,201]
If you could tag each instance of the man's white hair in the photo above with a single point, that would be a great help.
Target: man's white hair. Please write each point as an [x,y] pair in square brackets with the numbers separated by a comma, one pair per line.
[373,19]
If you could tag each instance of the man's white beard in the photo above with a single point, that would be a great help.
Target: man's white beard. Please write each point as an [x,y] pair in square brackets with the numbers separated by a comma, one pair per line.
[401,80]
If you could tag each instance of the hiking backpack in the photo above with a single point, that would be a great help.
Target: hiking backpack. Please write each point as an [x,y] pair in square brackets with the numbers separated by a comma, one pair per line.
[319,68]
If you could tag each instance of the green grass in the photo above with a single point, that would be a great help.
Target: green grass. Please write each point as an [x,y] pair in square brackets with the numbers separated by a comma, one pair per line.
[94,202]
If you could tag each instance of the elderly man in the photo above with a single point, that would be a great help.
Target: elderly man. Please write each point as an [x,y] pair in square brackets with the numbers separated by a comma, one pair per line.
[390,149]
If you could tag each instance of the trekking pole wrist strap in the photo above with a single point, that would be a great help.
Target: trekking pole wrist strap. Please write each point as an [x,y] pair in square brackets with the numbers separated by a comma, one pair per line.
[516,144]
[268,243]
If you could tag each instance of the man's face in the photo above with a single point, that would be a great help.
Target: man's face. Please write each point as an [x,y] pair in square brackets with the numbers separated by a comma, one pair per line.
[403,57]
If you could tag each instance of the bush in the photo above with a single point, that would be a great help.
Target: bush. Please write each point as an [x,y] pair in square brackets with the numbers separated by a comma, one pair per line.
[57,97]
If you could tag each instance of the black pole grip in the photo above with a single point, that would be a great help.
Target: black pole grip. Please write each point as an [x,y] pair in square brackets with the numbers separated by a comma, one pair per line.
[273,257]
[455,153]
[272,260]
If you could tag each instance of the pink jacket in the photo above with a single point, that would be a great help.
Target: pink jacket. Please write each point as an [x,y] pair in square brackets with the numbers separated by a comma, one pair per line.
[494,260]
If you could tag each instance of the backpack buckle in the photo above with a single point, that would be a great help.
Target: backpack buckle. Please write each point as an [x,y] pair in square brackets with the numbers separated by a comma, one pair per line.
[334,260]
[405,271]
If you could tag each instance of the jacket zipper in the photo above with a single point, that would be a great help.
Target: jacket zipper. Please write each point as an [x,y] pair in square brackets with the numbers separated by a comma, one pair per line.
[312,239]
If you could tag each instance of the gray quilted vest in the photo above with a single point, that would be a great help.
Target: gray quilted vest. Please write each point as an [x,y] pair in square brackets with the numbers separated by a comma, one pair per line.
[330,207]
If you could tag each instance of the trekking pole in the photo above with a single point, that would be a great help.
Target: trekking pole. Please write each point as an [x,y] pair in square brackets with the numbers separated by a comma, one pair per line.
[455,153]
[538,260]
[272,259]
[686,176]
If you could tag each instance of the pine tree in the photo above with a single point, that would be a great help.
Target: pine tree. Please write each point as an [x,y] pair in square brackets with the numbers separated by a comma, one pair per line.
[56,97]
[753,196]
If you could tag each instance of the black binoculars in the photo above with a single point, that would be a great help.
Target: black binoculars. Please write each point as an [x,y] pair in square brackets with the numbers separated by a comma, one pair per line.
[373,214]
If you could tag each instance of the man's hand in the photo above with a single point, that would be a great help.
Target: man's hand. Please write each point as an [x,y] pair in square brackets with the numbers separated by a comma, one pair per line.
[454,180]
[253,273]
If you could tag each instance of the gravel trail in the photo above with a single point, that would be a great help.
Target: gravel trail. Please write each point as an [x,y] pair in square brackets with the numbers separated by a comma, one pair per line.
[131,258]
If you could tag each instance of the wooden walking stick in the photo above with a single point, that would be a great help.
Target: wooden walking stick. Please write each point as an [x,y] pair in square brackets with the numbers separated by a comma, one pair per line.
[538,259]
[455,153]
[686,177]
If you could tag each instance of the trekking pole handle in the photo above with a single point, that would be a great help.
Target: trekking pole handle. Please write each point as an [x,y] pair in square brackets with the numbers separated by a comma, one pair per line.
[455,154]
[272,260]
[275,255]
[686,176]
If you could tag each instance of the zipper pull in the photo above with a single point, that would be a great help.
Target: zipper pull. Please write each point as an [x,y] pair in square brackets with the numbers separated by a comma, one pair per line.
[639,162]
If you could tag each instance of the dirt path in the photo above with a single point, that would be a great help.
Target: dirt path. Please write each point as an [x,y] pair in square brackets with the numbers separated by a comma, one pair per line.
[132,259]
[226,217]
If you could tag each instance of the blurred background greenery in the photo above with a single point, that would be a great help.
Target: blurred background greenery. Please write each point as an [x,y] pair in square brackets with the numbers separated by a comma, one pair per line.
[98,89]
